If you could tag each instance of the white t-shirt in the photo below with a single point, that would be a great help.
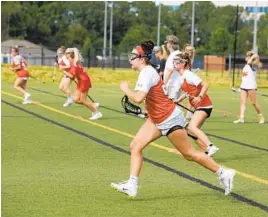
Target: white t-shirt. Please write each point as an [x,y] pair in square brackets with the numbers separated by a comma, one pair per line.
[17,60]
[175,78]
[148,78]
[191,78]
[248,78]
[64,60]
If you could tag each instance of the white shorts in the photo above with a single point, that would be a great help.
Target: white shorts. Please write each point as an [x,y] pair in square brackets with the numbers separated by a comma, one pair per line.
[25,78]
[175,119]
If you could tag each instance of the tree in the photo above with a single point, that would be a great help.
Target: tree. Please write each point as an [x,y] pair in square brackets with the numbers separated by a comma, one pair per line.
[219,42]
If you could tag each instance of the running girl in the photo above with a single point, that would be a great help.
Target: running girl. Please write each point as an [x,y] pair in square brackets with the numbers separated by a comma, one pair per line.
[66,81]
[196,90]
[84,84]
[20,67]
[165,119]
[248,86]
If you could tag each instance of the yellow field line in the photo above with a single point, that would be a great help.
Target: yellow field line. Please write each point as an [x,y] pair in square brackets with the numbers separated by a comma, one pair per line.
[248,176]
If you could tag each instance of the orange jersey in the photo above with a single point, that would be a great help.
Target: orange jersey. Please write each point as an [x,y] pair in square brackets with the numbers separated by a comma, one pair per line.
[192,86]
[18,60]
[82,77]
[157,104]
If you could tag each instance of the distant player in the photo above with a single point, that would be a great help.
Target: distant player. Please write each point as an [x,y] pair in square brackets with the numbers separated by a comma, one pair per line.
[248,86]
[196,91]
[76,71]
[66,81]
[172,79]
[189,49]
[165,119]
[20,67]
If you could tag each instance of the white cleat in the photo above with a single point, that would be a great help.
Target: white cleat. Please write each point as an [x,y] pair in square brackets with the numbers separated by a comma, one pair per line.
[212,150]
[226,180]
[25,102]
[68,103]
[239,121]
[95,116]
[126,188]
[261,119]
[27,96]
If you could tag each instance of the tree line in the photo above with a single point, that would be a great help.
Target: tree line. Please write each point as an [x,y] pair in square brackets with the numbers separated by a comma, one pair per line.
[81,24]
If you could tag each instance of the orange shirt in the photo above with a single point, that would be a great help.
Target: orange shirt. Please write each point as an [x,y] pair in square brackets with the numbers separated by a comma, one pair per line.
[78,72]
[23,71]
[157,104]
[192,86]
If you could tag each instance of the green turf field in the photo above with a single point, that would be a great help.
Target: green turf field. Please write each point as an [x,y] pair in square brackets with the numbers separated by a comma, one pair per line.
[54,164]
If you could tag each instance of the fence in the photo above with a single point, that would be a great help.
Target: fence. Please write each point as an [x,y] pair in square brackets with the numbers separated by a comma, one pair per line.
[44,56]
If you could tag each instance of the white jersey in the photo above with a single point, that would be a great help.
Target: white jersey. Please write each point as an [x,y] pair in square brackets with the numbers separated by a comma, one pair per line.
[175,78]
[148,78]
[248,78]
[63,61]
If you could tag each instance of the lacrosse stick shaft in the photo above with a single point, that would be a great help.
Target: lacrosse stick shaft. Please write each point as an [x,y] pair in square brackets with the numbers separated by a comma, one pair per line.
[37,79]
[189,110]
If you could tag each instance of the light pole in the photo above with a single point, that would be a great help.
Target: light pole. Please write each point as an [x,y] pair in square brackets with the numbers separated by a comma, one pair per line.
[105,31]
[255,46]
[193,17]
[159,24]
[111,31]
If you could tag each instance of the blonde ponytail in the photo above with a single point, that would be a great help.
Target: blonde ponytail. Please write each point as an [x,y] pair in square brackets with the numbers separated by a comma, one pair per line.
[253,60]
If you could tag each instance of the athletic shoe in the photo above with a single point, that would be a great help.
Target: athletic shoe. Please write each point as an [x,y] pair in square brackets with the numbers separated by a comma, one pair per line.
[261,119]
[239,121]
[226,180]
[27,96]
[95,116]
[126,188]
[212,150]
[25,102]
[68,103]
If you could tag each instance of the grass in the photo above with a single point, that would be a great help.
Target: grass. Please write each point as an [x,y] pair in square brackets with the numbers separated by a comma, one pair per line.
[48,169]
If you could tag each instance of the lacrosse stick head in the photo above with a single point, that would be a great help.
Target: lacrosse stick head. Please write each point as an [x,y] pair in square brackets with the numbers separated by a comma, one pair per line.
[130,107]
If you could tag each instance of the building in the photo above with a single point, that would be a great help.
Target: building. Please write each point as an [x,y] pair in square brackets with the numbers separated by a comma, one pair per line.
[33,53]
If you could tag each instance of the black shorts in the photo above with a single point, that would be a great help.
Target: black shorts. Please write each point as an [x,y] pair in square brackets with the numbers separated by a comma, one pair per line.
[247,89]
[207,110]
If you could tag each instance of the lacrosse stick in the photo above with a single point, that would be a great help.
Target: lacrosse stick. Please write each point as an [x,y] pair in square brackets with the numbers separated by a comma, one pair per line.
[37,79]
[131,108]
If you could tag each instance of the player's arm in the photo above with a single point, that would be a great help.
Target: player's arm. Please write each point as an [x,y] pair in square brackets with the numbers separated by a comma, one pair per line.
[137,97]
[167,77]
[204,89]
[15,68]
[181,98]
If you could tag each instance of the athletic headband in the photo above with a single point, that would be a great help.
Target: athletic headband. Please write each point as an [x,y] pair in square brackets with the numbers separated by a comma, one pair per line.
[140,50]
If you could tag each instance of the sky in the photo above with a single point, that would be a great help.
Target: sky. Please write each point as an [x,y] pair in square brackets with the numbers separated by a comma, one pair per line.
[262,3]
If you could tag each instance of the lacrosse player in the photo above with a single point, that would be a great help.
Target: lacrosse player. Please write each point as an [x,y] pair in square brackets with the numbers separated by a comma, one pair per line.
[20,67]
[248,86]
[83,84]
[164,119]
[196,90]
[65,83]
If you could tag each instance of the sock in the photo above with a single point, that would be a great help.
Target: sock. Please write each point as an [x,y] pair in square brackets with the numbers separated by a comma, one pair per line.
[260,115]
[220,171]
[242,117]
[133,180]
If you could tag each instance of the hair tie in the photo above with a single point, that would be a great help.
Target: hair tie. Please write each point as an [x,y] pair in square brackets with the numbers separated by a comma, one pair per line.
[140,50]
